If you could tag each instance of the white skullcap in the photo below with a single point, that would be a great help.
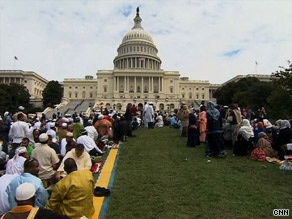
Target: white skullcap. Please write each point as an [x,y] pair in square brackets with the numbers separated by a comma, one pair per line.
[43,137]
[25,191]
[21,108]
[64,125]
[100,117]
[20,150]
[6,113]
[52,125]
[69,134]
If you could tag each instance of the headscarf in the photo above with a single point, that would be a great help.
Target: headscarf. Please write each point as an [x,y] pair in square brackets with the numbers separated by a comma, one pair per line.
[246,130]
[15,165]
[285,124]
[265,144]
[260,125]
[212,111]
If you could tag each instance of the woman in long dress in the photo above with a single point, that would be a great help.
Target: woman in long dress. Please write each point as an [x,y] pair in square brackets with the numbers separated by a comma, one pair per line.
[203,124]
[193,133]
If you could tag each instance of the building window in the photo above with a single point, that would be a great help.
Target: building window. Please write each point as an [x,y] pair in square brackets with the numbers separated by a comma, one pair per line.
[203,96]
[83,87]
[203,88]
[91,95]
[183,95]
[171,89]
[190,88]
[197,88]
[83,94]
[25,81]
[76,94]
[70,94]
[171,81]
[105,80]
[138,89]
[197,96]
[76,87]
[105,89]
[90,87]
[183,88]
[190,95]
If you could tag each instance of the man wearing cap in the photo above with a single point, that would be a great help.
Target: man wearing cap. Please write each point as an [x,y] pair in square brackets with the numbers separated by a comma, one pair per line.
[91,131]
[15,116]
[47,158]
[77,128]
[31,170]
[73,195]
[15,165]
[4,182]
[81,157]
[67,143]
[25,197]
[62,131]
[18,131]
[102,125]
[89,144]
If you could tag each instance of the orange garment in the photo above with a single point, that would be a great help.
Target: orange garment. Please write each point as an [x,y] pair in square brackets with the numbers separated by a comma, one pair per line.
[203,126]
[103,126]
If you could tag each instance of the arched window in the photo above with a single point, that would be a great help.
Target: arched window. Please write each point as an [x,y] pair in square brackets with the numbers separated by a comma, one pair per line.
[190,95]
[83,94]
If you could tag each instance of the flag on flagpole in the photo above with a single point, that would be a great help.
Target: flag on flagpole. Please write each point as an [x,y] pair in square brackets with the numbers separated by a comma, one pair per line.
[15,58]
[256,63]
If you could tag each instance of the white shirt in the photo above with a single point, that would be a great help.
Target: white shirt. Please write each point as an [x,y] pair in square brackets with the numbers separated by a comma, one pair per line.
[63,146]
[91,131]
[37,125]
[4,182]
[52,133]
[18,131]
[88,143]
[15,165]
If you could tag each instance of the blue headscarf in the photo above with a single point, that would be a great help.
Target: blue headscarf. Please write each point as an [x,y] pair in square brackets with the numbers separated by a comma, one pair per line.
[212,111]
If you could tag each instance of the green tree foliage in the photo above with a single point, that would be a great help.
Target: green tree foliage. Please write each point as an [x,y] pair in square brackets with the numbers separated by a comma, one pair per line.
[281,97]
[12,96]
[247,92]
[52,94]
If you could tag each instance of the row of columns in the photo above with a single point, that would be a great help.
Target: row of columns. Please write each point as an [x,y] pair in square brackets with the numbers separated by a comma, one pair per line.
[137,63]
[126,83]
[11,80]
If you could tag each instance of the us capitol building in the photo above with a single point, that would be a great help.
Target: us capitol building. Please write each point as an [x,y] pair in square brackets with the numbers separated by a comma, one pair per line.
[137,77]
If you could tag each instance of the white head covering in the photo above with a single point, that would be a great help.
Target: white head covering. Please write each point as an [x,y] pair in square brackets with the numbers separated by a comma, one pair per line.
[64,125]
[100,117]
[25,191]
[6,113]
[285,124]
[15,165]
[21,108]
[43,137]
[246,130]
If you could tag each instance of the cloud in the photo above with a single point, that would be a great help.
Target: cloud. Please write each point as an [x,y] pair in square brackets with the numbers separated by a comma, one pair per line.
[126,10]
[232,53]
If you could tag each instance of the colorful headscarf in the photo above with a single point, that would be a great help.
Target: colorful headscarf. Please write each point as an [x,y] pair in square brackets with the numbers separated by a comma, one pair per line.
[212,111]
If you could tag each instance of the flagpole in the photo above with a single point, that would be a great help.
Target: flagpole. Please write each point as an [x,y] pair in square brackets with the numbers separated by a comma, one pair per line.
[256,67]
[14,65]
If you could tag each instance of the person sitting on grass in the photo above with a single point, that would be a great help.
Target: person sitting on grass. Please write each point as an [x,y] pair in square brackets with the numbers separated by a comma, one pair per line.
[73,195]
[89,144]
[80,156]
[25,198]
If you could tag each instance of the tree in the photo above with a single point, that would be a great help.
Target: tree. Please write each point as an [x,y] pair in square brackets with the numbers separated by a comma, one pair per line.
[52,94]
[281,97]
[12,96]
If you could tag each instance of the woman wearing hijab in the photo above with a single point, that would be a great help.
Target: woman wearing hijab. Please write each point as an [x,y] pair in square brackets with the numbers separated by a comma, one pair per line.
[214,133]
[264,144]
[183,115]
[284,137]
[260,128]
[193,133]
[244,138]
[203,124]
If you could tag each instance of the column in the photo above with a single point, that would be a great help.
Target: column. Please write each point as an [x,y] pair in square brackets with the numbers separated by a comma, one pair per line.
[152,85]
[149,85]
[128,86]
[115,84]
[135,86]
[162,85]
[136,62]
[125,83]
[118,82]
[158,84]
[131,64]
[142,86]
[127,63]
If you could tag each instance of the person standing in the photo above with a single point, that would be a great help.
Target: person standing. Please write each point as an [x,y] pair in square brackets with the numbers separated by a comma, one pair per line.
[203,124]
[149,116]
[183,115]
[193,133]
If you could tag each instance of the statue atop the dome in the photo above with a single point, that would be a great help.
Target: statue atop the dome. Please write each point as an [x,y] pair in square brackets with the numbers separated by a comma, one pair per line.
[137,10]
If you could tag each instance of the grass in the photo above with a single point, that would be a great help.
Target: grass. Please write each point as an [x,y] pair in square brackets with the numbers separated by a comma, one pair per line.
[158,176]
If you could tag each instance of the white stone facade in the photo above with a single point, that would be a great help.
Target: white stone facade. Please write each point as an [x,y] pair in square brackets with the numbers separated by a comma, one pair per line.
[31,80]
[137,77]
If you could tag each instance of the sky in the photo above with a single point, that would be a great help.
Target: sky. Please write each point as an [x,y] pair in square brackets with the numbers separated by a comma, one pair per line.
[211,40]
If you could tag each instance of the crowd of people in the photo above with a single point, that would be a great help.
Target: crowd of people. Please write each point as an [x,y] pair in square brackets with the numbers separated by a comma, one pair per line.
[48,161]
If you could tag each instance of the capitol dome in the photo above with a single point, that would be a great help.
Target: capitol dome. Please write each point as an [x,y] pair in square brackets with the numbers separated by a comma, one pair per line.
[137,50]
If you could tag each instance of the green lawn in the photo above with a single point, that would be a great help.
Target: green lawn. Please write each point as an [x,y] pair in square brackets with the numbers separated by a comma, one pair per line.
[158,176]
